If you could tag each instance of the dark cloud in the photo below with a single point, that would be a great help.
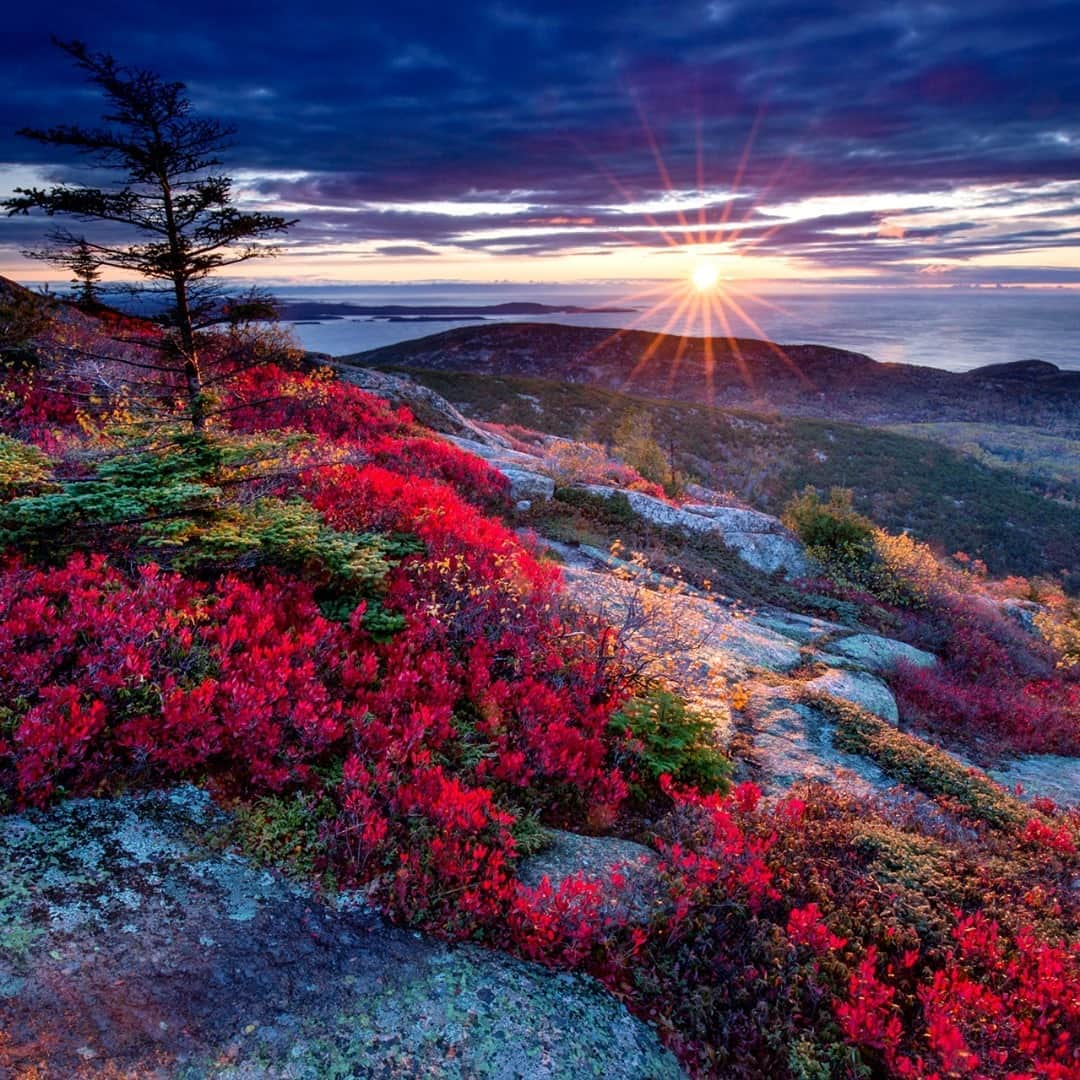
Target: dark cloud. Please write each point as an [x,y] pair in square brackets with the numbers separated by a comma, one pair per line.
[404,249]
[556,106]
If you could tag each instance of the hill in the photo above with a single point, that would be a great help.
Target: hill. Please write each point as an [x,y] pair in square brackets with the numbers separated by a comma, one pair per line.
[1050,463]
[902,482]
[318,309]
[797,380]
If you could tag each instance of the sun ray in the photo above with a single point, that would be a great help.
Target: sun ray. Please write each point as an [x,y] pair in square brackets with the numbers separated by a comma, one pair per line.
[740,172]
[703,301]
[755,298]
[658,339]
[676,363]
[709,356]
[661,167]
[748,319]
[736,350]
[635,323]
[623,193]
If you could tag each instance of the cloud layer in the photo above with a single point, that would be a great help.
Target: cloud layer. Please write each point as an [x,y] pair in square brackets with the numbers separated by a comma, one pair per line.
[846,138]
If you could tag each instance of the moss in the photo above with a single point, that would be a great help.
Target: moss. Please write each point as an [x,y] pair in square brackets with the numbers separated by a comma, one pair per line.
[531,837]
[811,1060]
[913,761]
[924,878]
[283,831]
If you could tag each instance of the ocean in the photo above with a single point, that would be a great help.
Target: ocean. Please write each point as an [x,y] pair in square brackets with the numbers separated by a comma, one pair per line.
[954,329]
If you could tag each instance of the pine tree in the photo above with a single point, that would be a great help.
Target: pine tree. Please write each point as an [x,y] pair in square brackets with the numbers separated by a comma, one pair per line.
[170,194]
[84,265]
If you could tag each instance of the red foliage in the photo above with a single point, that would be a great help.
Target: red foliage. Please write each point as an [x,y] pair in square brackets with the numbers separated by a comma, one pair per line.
[31,411]
[768,936]
[470,476]
[157,677]
[996,689]
[992,1008]
[268,398]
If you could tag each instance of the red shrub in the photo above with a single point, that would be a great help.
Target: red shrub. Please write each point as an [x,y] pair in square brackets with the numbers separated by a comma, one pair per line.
[156,677]
[996,689]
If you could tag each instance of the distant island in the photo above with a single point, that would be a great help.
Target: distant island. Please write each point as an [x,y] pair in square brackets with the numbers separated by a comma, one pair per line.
[313,310]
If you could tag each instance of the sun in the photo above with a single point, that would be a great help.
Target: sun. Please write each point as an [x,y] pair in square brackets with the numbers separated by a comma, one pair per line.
[705,277]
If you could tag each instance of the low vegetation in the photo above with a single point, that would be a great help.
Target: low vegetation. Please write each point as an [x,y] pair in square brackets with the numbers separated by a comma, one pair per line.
[936,493]
[998,688]
[314,609]
[1050,463]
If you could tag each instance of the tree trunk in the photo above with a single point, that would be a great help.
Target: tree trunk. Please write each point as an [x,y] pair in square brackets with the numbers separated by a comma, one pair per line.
[192,377]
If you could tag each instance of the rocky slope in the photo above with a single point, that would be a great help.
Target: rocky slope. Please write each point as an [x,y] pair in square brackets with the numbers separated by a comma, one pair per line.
[134,943]
[709,644]
[133,947]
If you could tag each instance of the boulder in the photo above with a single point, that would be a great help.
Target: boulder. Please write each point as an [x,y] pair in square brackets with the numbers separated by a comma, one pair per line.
[499,456]
[429,408]
[806,629]
[596,858]
[791,742]
[1043,776]
[769,552]
[860,688]
[736,519]
[698,641]
[758,539]
[871,652]
[527,486]
[1023,612]
[134,948]
[652,509]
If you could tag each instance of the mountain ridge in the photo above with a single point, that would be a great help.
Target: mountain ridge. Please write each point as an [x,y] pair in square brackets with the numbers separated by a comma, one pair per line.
[799,380]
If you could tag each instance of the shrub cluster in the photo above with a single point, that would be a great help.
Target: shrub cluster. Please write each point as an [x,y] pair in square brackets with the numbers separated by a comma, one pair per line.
[341,637]
[999,687]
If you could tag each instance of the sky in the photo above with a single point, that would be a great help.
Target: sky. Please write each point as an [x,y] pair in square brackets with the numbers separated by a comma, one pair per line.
[904,143]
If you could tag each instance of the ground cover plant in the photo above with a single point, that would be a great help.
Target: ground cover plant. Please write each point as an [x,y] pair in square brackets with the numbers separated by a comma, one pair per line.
[314,608]
[999,688]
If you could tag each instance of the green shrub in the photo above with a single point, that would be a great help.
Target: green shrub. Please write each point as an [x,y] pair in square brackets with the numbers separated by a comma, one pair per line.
[530,836]
[853,551]
[289,534]
[831,529]
[21,466]
[668,737]
[178,503]
[132,488]
[635,444]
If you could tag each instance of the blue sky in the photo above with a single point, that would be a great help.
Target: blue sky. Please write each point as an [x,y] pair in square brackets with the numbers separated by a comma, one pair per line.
[908,143]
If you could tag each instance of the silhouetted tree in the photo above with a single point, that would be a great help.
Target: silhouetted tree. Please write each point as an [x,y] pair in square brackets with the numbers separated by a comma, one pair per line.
[83,264]
[170,194]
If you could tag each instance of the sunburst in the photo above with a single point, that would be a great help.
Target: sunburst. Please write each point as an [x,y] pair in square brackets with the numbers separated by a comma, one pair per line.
[705,277]
[709,294]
